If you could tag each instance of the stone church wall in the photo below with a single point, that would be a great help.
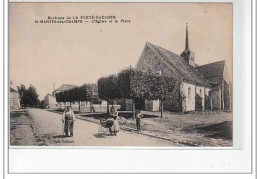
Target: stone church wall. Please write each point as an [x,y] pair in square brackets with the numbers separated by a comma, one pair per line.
[189,91]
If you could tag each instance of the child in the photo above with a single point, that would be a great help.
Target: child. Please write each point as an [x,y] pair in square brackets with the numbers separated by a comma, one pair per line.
[138,119]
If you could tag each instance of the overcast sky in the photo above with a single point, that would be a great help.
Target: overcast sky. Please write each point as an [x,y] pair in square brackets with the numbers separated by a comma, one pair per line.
[41,54]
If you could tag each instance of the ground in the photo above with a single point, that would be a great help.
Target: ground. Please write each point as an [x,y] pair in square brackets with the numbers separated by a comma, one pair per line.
[42,127]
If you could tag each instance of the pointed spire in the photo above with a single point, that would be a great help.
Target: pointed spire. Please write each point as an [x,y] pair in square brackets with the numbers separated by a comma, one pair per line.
[187,38]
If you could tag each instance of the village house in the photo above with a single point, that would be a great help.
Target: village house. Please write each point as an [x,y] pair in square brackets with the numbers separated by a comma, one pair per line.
[201,87]
[63,87]
[50,101]
[14,99]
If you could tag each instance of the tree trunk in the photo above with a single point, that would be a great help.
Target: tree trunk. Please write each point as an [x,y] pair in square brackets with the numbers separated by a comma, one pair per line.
[107,108]
[133,107]
[161,108]
[211,106]
[90,106]
[79,106]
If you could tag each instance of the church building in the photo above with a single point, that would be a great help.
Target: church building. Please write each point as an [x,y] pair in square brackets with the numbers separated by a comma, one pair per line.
[205,87]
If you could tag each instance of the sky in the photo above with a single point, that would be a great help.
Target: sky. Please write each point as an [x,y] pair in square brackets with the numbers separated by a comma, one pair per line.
[42,54]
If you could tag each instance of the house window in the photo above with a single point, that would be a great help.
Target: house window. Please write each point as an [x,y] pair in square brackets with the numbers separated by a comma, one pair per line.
[189,93]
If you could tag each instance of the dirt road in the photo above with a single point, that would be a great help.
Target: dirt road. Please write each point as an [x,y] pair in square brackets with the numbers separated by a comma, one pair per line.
[45,128]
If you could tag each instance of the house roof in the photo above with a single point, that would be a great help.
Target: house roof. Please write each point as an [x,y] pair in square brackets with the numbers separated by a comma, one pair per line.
[179,66]
[65,87]
[50,95]
[12,90]
[213,72]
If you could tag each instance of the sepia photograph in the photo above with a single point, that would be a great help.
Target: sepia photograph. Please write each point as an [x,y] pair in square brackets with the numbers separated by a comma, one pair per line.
[121,74]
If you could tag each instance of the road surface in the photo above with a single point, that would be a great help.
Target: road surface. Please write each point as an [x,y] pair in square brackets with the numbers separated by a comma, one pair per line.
[45,128]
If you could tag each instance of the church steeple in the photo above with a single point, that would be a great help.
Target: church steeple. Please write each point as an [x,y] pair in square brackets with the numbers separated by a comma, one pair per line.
[188,55]
[187,38]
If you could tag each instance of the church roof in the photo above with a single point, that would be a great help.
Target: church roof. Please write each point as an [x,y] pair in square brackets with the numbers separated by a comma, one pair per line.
[213,72]
[179,66]
[65,87]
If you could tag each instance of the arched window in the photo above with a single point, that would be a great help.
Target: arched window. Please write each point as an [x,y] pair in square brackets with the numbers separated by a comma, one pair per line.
[189,93]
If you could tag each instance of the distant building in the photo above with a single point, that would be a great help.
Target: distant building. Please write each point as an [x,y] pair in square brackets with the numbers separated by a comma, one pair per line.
[63,87]
[14,99]
[50,101]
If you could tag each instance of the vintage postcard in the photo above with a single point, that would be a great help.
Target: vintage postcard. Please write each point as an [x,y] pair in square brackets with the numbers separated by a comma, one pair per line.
[121,74]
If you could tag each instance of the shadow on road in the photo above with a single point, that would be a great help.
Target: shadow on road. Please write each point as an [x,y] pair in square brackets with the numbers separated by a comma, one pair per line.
[126,115]
[101,135]
[222,130]
[59,136]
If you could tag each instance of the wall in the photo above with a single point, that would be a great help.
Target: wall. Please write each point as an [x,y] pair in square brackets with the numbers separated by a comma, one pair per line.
[189,102]
[129,104]
[190,99]
[152,105]
[204,91]
[14,95]
[201,92]
[216,100]
[14,101]
[50,102]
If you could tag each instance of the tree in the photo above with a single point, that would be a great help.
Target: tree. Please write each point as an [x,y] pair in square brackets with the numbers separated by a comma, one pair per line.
[22,96]
[29,97]
[108,89]
[151,86]
[124,82]
[132,84]
[86,92]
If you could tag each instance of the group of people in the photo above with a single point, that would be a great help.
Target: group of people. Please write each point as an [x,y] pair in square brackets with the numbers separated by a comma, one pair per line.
[68,119]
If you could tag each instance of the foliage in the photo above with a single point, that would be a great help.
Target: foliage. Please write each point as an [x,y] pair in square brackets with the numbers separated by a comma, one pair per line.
[151,86]
[129,83]
[124,78]
[86,92]
[29,97]
[108,88]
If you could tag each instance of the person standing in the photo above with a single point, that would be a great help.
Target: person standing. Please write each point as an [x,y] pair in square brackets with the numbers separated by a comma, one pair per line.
[112,122]
[138,119]
[68,117]
[115,127]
